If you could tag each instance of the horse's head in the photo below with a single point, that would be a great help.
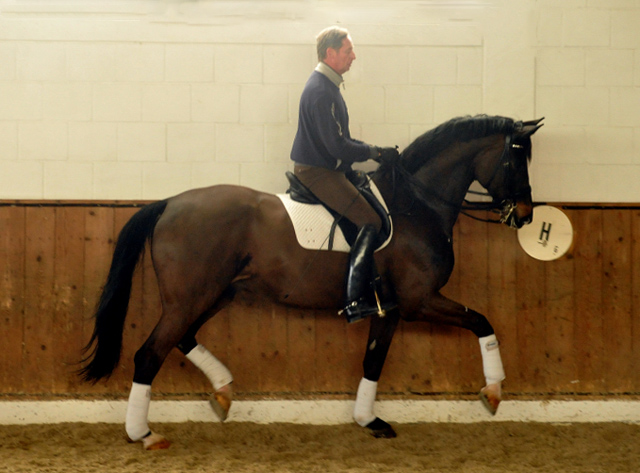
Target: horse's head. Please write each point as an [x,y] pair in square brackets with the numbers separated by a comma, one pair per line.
[505,175]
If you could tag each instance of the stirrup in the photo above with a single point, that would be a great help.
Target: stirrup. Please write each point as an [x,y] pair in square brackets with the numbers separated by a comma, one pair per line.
[359,309]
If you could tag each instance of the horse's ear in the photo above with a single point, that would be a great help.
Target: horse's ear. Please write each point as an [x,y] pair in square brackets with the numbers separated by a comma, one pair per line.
[532,122]
[530,127]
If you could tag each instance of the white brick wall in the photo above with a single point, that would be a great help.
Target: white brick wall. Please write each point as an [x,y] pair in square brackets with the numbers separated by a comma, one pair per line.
[141,100]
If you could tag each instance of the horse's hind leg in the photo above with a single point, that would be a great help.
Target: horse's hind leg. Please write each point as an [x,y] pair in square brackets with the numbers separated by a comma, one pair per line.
[380,335]
[217,373]
[148,360]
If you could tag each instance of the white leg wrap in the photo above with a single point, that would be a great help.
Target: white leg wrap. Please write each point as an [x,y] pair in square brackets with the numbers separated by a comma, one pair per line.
[491,361]
[363,410]
[217,373]
[138,411]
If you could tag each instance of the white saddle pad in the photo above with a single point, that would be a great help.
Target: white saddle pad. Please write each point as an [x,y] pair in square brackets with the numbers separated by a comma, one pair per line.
[312,224]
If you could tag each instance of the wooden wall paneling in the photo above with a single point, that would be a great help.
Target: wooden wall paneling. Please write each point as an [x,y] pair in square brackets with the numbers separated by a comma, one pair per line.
[616,295]
[301,336]
[635,299]
[559,317]
[274,353]
[530,325]
[244,347]
[331,352]
[564,326]
[98,248]
[502,291]
[474,293]
[12,287]
[588,316]
[68,298]
[39,338]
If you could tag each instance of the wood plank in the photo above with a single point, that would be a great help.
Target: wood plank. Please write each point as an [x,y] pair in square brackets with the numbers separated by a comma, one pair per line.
[616,291]
[588,339]
[272,364]
[530,325]
[12,287]
[301,335]
[244,347]
[415,343]
[98,248]
[502,290]
[68,298]
[39,337]
[559,313]
[635,299]
[331,351]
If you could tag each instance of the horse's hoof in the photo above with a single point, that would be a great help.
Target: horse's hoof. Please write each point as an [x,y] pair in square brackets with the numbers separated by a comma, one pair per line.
[491,396]
[221,402]
[380,429]
[155,442]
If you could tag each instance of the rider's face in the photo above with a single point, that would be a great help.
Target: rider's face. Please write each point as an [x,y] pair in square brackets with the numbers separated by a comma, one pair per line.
[340,59]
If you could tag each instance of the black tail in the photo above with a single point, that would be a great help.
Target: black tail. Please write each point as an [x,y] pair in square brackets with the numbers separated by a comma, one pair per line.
[103,350]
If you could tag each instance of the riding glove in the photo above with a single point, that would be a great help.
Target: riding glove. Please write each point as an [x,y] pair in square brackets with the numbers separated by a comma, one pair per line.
[387,154]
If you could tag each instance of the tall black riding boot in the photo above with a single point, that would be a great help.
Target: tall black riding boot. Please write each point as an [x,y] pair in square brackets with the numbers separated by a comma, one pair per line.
[361,277]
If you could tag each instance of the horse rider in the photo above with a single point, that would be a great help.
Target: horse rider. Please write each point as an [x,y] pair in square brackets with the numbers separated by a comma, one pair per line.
[323,151]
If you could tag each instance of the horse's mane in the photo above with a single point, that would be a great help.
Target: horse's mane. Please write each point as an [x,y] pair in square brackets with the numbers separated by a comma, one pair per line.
[431,143]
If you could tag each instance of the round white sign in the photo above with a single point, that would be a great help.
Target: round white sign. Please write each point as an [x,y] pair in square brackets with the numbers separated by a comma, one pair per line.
[548,236]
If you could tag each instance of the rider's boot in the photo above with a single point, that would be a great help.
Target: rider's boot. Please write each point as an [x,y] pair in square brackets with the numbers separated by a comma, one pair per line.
[361,276]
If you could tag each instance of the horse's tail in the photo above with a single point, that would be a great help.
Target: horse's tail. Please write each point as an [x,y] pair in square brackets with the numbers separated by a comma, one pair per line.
[103,350]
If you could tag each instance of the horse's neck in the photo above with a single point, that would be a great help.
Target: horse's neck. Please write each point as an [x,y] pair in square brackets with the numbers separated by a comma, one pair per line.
[448,180]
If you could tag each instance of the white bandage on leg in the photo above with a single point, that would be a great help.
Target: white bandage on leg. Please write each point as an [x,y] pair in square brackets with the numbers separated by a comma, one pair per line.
[138,411]
[363,410]
[217,373]
[491,361]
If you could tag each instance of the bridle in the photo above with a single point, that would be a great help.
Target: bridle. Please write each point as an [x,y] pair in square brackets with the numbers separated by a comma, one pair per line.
[506,208]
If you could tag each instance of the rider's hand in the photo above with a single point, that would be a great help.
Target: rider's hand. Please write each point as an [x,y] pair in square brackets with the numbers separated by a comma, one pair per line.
[387,154]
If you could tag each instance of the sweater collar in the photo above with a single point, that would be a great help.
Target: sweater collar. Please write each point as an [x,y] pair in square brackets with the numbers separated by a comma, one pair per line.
[332,75]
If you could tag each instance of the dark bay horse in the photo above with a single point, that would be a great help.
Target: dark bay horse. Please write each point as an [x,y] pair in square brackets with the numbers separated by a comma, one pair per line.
[214,245]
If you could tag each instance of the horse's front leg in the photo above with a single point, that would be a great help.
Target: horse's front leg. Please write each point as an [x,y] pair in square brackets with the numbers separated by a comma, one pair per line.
[440,309]
[380,335]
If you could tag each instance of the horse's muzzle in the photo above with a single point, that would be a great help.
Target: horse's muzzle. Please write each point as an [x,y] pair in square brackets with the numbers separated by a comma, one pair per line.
[516,214]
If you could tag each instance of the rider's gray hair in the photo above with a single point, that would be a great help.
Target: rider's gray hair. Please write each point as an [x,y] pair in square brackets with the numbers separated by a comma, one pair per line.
[330,38]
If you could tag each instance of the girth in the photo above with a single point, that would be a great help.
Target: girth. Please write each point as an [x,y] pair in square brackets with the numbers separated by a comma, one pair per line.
[301,193]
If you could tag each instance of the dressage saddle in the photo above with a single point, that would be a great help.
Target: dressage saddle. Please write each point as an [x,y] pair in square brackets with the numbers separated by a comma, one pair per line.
[301,193]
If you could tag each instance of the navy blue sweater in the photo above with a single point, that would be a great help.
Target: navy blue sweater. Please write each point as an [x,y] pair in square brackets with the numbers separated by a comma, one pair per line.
[323,137]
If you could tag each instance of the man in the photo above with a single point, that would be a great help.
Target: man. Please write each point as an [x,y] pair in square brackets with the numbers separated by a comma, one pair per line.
[323,151]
